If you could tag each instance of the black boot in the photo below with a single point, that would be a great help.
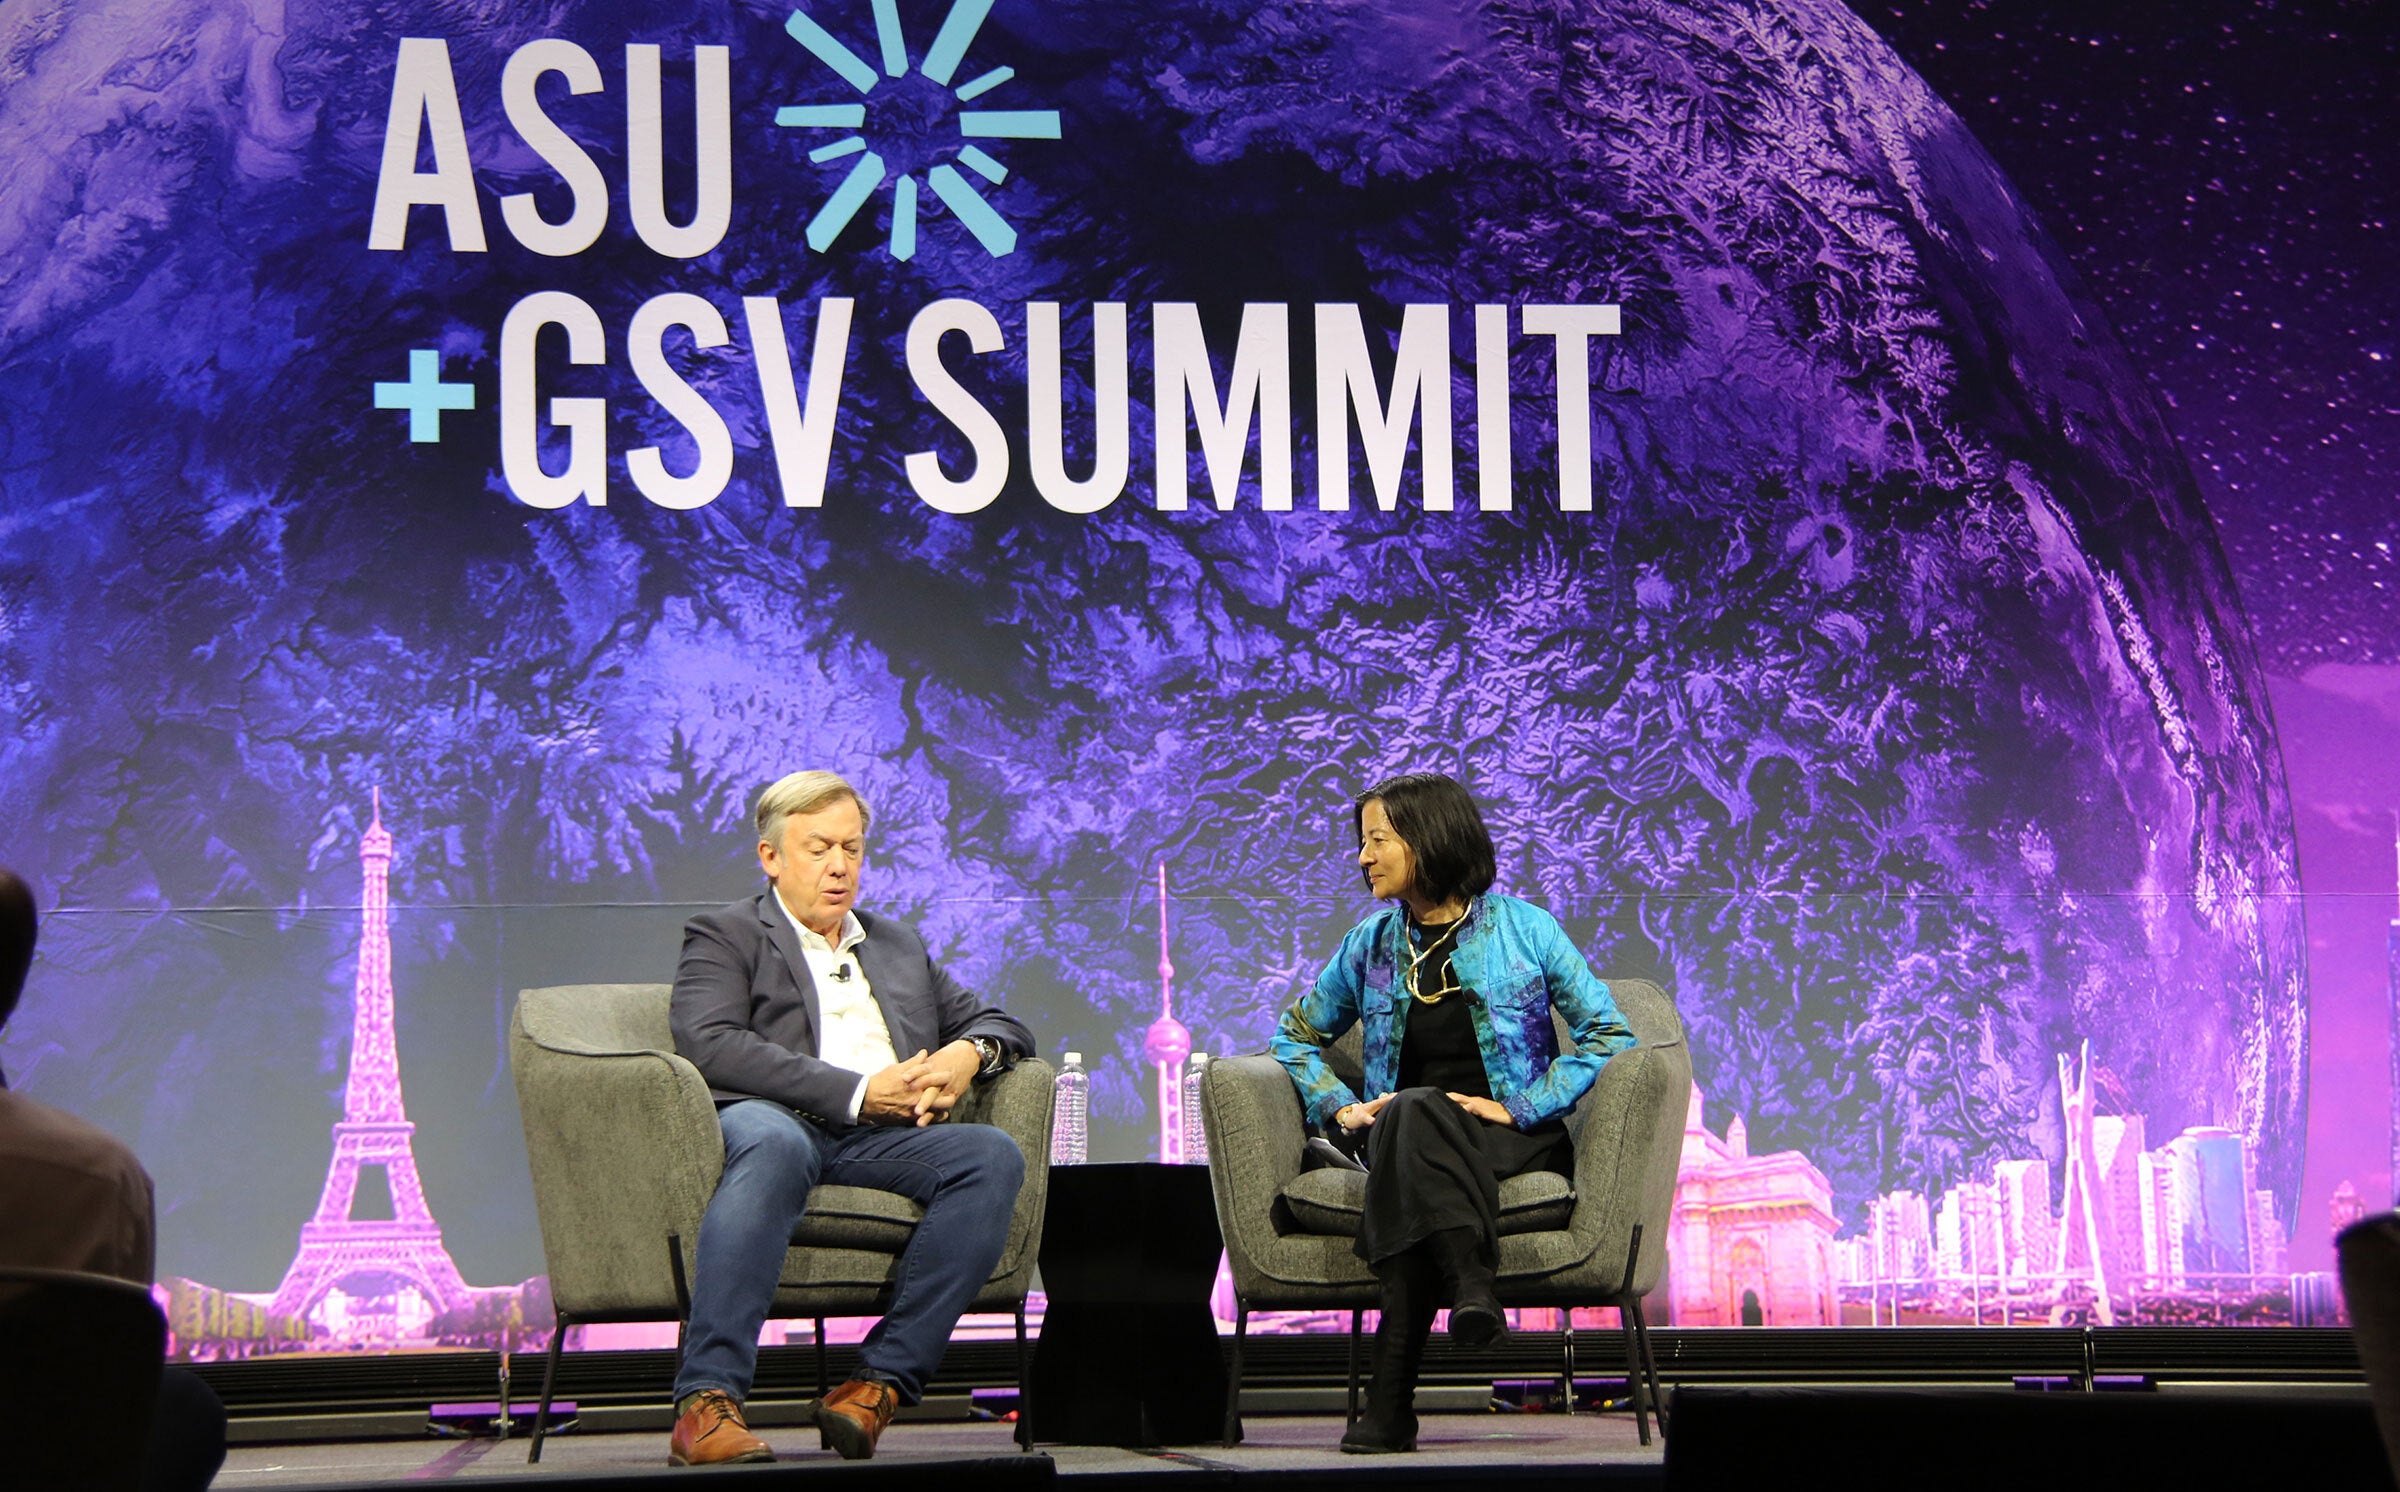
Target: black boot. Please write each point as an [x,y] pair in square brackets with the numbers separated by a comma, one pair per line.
[1475,1319]
[1411,1294]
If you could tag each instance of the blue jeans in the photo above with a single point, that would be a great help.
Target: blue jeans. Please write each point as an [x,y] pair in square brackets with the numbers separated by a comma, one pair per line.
[965,1175]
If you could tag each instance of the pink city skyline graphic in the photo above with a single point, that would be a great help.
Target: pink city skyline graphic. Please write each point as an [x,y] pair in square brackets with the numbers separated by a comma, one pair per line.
[2179,1234]
[2176,1235]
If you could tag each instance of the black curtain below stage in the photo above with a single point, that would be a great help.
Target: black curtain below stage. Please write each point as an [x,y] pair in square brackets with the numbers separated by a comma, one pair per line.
[1963,1439]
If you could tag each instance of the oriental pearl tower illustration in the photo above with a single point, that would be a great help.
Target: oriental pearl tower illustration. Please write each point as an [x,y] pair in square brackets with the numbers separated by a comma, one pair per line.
[1167,1044]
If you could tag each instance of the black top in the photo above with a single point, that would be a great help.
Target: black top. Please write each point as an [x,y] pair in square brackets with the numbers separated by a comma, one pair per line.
[1439,1050]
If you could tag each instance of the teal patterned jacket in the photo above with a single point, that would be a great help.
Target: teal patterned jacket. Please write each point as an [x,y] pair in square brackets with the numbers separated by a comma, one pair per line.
[1518,963]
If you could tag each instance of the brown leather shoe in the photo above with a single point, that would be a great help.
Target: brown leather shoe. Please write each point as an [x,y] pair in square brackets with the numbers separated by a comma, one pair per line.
[851,1418]
[711,1433]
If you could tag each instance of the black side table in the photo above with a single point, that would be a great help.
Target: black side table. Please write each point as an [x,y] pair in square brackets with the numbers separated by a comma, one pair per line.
[1128,1354]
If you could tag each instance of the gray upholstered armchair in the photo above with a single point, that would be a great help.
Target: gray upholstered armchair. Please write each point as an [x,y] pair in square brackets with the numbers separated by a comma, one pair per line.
[625,1151]
[1598,1238]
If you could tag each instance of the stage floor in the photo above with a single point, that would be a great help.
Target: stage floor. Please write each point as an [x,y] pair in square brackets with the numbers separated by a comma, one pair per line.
[1458,1449]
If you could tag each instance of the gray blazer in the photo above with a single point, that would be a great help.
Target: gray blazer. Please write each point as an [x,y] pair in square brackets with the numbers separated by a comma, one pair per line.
[745,1011]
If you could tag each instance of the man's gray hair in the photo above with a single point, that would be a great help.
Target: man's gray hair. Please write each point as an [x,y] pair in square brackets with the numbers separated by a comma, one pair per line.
[803,792]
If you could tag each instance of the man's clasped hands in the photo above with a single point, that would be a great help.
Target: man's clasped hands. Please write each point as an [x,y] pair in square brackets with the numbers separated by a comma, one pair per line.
[922,1089]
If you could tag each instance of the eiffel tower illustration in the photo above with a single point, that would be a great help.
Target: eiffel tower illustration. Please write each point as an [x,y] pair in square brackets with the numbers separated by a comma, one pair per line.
[372,1281]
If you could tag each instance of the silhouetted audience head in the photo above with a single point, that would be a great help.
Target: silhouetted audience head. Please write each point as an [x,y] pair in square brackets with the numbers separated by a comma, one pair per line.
[16,940]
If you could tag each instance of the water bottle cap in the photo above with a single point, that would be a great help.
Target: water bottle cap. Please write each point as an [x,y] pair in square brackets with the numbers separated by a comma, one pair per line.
[1074,1056]
[1199,1058]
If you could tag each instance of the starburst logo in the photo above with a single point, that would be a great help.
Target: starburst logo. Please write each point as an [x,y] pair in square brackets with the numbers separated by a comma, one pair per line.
[917,126]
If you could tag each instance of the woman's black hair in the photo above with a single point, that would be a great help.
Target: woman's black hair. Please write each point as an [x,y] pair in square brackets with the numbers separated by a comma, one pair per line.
[1443,829]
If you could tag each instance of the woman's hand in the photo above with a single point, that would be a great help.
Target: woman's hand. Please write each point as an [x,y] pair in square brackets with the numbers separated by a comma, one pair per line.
[1353,1117]
[1488,1110]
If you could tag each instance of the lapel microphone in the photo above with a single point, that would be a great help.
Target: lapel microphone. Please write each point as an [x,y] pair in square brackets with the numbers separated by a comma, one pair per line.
[841,973]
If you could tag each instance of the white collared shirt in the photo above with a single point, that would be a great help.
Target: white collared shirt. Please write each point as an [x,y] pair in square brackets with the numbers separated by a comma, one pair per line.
[853,1034]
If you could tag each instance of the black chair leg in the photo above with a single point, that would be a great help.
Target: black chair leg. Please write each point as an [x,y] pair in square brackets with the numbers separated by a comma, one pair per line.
[1634,1386]
[1566,1342]
[1233,1376]
[541,1415]
[1353,1410]
[683,1299]
[1641,1330]
[824,1381]
[1024,1388]
[1637,1344]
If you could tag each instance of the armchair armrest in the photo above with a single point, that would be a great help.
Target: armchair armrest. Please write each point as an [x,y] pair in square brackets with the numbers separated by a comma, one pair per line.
[625,1151]
[1256,1135]
[1022,1102]
[1628,1134]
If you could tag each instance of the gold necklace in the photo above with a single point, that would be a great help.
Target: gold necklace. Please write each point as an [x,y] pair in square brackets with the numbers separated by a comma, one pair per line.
[1450,985]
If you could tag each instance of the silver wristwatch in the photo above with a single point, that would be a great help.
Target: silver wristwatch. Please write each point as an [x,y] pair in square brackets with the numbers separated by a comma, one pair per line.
[992,1052]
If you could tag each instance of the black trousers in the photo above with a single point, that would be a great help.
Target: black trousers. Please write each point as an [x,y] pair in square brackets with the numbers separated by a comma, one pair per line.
[187,1434]
[1432,1166]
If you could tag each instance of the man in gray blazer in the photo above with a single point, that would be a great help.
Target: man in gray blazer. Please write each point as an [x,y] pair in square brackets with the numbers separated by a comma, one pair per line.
[835,1047]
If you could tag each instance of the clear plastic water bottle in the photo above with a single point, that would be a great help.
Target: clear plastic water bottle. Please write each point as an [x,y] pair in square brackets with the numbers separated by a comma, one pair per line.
[1070,1124]
[1195,1133]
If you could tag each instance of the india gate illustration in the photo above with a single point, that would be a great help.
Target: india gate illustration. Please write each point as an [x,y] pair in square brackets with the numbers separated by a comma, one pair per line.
[375,1280]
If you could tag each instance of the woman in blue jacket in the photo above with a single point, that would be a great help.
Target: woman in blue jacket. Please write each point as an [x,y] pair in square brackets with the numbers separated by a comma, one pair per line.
[1465,1080]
